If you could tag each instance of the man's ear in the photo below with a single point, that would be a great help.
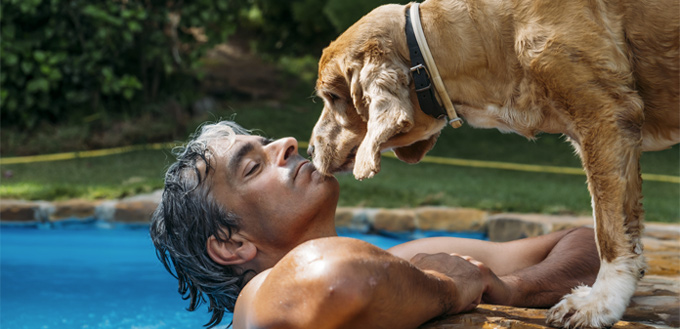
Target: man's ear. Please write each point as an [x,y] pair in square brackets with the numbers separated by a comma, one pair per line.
[234,251]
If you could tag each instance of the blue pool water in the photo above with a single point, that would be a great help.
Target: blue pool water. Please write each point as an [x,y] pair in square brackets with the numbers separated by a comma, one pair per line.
[88,277]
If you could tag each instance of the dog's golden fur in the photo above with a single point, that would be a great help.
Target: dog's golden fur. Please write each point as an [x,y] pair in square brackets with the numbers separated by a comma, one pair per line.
[603,73]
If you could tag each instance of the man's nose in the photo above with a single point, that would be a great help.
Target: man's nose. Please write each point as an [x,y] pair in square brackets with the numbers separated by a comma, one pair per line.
[285,148]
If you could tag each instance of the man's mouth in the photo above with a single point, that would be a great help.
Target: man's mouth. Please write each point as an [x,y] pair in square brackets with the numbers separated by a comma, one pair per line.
[299,168]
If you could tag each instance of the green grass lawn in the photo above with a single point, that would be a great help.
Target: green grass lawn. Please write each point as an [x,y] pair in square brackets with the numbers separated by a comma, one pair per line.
[397,185]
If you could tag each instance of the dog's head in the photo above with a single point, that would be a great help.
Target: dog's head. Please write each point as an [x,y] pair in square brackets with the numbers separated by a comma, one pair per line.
[369,101]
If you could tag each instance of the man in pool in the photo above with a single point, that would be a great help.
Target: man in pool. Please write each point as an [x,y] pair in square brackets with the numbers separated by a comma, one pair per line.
[248,224]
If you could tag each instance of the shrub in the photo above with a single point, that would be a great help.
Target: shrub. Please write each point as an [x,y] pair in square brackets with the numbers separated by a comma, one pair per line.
[303,27]
[86,59]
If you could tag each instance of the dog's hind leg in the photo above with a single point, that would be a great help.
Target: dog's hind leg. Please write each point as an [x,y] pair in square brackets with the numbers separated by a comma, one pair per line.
[608,139]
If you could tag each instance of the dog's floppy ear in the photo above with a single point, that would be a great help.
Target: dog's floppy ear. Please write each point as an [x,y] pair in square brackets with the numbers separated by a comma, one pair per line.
[415,152]
[356,91]
[384,83]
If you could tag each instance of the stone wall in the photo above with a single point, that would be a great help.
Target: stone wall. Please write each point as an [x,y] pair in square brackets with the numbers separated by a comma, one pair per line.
[498,227]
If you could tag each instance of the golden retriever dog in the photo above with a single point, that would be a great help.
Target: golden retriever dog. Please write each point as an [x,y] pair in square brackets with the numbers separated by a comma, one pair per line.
[603,73]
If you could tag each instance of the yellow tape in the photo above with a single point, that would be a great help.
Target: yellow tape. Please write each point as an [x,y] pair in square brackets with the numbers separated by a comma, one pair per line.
[84,154]
[529,168]
[303,145]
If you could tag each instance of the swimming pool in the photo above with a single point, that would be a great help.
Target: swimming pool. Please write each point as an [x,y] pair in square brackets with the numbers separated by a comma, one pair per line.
[85,277]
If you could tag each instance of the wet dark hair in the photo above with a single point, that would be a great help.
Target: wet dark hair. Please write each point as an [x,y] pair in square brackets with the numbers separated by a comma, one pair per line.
[187,216]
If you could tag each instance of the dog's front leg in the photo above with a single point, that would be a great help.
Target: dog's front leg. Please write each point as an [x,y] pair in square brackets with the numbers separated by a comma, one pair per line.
[609,147]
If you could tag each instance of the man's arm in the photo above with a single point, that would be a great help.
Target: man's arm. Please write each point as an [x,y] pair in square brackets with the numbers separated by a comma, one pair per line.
[533,272]
[347,283]
[573,261]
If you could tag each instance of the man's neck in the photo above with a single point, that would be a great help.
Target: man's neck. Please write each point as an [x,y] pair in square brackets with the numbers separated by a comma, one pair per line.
[268,257]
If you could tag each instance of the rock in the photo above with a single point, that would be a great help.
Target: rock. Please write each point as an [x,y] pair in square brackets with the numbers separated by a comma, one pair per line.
[662,310]
[394,220]
[153,197]
[343,217]
[450,219]
[80,209]
[358,219]
[134,211]
[504,317]
[19,211]
[663,256]
[663,231]
[508,227]
[656,300]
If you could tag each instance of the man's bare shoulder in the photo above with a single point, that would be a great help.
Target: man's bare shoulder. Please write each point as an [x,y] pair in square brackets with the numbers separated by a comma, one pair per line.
[335,245]
[320,273]
[246,299]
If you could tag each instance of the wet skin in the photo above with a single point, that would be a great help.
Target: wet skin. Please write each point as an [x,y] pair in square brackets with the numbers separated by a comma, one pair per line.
[308,277]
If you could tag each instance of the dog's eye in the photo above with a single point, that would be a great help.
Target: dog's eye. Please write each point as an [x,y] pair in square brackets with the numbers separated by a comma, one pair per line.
[333,97]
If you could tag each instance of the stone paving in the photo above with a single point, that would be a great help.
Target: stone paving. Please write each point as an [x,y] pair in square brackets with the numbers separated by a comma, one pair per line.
[656,303]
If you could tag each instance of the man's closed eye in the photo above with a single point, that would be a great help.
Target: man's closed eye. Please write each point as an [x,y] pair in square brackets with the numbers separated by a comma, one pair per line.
[253,168]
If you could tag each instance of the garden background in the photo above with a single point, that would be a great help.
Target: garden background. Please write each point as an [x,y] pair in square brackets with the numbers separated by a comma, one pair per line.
[78,75]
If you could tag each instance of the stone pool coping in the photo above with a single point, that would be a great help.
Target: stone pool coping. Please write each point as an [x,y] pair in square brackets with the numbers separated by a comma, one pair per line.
[656,302]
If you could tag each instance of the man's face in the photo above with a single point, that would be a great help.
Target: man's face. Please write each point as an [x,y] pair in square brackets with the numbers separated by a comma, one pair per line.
[281,198]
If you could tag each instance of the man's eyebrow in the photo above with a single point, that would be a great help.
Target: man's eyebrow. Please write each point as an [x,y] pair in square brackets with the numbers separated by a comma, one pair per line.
[239,155]
[243,151]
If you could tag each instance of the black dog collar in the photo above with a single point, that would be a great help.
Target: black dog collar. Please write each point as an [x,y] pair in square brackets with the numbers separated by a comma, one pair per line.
[421,77]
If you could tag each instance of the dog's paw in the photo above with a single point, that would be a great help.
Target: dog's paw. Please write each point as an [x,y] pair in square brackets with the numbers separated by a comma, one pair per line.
[577,310]
[364,172]
[366,165]
[584,308]
[602,305]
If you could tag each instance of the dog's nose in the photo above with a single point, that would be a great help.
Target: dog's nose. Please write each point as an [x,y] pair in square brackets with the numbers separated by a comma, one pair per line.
[310,150]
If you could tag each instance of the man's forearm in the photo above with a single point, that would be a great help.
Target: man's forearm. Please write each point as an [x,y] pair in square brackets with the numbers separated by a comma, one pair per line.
[573,261]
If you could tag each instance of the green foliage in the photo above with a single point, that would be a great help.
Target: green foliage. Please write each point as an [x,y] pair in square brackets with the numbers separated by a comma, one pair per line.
[302,27]
[343,13]
[68,59]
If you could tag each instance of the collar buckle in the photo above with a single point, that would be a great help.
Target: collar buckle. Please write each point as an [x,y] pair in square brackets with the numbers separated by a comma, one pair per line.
[417,69]
[430,83]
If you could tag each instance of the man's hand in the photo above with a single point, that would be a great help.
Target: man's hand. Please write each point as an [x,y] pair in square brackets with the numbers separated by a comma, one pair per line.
[469,276]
